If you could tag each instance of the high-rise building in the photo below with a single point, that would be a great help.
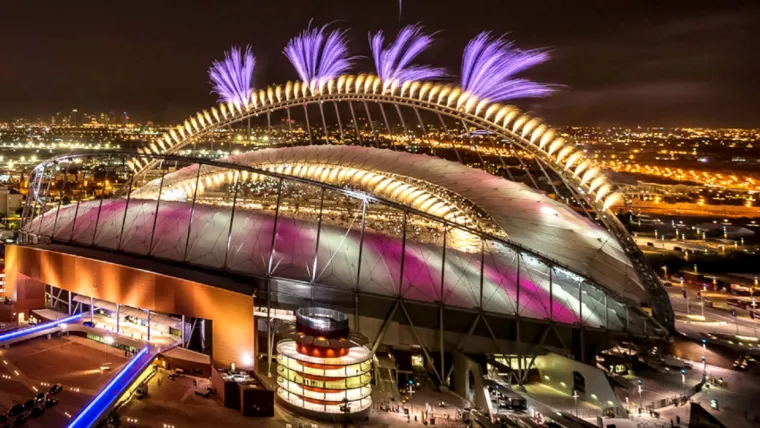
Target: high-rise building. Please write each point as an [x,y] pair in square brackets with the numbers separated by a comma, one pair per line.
[57,119]
[74,117]
[124,119]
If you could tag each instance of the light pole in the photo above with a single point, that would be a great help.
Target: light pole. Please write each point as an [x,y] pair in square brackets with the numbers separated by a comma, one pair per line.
[702,300]
[683,376]
[641,402]
[665,272]
[704,367]
[575,397]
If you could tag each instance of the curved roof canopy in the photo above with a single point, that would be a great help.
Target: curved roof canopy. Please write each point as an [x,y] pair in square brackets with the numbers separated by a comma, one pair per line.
[467,196]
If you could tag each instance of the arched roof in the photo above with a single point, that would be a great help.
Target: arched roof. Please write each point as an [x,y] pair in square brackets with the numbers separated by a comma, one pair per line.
[528,217]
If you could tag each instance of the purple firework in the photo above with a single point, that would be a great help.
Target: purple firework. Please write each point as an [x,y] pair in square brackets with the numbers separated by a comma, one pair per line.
[489,65]
[232,78]
[319,55]
[393,63]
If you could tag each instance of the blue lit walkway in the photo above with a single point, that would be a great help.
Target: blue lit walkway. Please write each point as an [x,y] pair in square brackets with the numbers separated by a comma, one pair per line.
[36,331]
[107,396]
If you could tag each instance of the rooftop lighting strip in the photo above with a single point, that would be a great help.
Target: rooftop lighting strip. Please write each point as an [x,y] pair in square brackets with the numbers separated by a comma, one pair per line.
[37,328]
[100,403]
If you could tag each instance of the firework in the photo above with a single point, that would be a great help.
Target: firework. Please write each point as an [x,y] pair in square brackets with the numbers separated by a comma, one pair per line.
[393,63]
[232,78]
[489,65]
[318,55]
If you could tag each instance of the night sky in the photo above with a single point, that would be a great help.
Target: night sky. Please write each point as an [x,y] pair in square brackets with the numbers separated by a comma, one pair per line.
[663,62]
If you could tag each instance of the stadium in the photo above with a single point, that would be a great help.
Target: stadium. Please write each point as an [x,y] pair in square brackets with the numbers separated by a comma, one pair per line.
[424,251]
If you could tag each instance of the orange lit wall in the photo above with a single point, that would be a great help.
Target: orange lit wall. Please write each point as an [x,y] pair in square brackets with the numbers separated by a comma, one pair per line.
[231,313]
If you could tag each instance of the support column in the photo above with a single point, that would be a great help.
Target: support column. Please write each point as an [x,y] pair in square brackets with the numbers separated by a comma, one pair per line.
[324,123]
[440,334]
[269,328]
[183,331]
[290,127]
[359,266]
[192,212]
[92,302]
[148,325]
[356,124]
[203,334]
[340,124]
[118,318]
[69,302]
[551,295]
[371,125]
[308,125]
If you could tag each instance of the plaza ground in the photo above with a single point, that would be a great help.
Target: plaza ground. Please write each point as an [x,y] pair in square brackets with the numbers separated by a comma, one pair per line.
[33,366]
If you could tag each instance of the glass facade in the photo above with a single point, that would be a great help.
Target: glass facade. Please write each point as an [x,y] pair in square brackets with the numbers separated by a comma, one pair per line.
[329,385]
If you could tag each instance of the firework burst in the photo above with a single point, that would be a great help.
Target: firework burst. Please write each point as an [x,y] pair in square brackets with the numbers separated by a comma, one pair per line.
[394,62]
[319,55]
[232,78]
[489,66]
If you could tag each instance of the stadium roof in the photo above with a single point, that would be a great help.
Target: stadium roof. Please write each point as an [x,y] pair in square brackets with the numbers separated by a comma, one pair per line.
[528,217]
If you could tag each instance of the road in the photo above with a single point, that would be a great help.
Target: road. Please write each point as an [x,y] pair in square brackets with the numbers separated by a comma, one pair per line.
[746,326]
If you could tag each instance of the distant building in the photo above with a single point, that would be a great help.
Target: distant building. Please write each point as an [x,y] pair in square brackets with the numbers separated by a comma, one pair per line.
[124,119]
[74,117]
[10,201]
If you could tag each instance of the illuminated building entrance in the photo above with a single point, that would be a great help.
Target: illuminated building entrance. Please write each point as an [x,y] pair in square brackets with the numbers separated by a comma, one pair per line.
[322,370]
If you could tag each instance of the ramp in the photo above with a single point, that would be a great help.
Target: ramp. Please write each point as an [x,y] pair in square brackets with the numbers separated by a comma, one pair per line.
[38,330]
[99,407]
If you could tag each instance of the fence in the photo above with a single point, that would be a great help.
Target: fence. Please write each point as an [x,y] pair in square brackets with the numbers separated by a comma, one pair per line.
[675,401]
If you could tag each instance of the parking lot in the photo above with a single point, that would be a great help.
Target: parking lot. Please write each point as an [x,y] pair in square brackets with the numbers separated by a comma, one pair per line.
[34,366]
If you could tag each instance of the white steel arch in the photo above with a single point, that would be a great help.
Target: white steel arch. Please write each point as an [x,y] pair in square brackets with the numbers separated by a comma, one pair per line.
[527,132]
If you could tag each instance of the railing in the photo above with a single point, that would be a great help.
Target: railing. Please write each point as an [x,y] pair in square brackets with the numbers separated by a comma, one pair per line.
[102,402]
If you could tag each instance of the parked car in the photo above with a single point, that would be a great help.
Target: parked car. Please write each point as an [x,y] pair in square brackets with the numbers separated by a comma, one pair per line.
[55,389]
[89,324]
[29,404]
[16,410]
[142,390]
[3,419]
[40,397]
[204,392]
[50,402]
[36,412]
[20,420]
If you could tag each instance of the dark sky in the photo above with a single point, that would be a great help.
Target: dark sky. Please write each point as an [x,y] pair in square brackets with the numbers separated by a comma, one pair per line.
[661,62]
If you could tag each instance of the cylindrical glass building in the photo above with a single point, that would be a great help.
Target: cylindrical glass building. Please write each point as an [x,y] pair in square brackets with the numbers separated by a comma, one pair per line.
[320,371]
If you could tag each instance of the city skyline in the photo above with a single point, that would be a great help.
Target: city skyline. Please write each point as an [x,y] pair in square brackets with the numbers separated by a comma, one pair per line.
[620,65]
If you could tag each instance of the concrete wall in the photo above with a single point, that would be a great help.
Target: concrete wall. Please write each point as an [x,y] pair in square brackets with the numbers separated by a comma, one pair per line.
[471,388]
[557,372]
[231,313]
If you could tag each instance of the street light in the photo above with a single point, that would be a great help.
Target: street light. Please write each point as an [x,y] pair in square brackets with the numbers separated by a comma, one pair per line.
[641,403]
[683,376]
[704,367]
[702,299]
[575,397]
[665,269]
